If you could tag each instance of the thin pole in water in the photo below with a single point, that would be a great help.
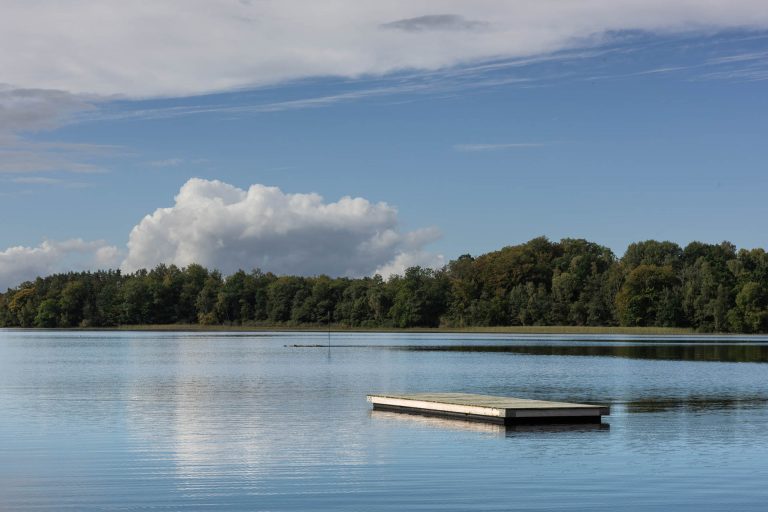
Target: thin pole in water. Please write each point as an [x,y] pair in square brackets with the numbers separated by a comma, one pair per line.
[329,329]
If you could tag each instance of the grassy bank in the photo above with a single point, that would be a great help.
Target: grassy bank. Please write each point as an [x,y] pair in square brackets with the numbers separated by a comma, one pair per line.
[538,329]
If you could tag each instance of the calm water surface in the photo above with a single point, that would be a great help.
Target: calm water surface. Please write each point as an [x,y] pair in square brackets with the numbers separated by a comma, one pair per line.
[276,421]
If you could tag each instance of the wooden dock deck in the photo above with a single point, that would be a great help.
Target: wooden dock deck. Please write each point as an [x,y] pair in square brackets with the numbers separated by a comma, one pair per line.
[494,409]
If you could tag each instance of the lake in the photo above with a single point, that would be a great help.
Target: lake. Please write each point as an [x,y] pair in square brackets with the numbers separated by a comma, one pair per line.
[278,421]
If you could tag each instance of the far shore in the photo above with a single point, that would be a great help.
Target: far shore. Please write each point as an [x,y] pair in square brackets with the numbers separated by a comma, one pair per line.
[535,329]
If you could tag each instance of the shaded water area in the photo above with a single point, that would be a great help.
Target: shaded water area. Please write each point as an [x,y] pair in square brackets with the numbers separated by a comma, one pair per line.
[735,353]
[278,421]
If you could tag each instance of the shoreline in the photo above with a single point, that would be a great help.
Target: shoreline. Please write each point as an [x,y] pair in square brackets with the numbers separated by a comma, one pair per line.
[435,330]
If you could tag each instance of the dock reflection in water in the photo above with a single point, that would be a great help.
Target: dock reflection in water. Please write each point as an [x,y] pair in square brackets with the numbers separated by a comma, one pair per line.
[482,427]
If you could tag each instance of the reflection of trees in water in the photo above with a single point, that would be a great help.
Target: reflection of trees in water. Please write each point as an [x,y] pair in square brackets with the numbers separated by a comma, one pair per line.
[705,352]
[695,403]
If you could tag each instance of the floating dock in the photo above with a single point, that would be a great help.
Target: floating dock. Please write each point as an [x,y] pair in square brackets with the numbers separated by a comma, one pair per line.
[494,409]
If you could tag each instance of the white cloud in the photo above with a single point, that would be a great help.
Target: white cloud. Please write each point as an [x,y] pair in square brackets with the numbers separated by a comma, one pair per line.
[222,226]
[19,264]
[219,225]
[187,47]
[405,260]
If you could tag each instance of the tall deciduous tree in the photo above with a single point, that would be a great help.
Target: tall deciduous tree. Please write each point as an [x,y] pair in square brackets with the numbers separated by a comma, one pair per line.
[650,297]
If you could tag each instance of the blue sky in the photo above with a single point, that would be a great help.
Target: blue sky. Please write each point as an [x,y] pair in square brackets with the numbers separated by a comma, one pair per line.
[631,136]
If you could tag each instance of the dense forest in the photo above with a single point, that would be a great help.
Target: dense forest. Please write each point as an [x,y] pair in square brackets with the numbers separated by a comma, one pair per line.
[712,288]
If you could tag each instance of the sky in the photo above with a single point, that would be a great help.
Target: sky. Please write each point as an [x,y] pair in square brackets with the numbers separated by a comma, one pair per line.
[360,137]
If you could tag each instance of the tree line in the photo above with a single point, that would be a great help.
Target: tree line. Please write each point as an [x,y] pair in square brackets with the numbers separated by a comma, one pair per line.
[708,287]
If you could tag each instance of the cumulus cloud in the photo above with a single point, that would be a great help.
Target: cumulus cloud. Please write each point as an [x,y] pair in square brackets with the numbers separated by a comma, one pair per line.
[187,47]
[222,226]
[19,264]
[404,260]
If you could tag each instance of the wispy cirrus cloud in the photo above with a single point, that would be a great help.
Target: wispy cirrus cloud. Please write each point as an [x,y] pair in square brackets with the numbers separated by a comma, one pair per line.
[740,57]
[48,181]
[748,74]
[736,67]
[37,180]
[498,147]
[34,159]
[585,63]
[167,162]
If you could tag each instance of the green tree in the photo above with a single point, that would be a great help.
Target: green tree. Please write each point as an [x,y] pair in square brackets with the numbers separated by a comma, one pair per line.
[208,298]
[232,302]
[107,303]
[466,289]
[420,299]
[712,287]
[580,274]
[280,296]
[654,253]
[649,297]
[48,314]
[22,308]
[751,311]
[73,299]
